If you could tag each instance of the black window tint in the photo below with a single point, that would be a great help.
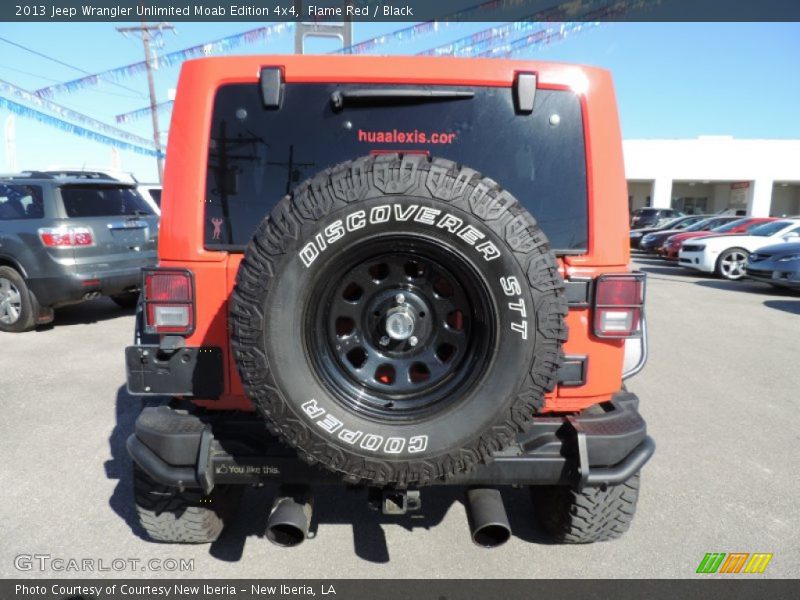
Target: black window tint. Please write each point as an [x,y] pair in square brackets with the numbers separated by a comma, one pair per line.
[257,155]
[103,201]
[20,202]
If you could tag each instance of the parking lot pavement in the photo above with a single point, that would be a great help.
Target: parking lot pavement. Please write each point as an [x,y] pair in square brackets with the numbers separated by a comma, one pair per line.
[720,394]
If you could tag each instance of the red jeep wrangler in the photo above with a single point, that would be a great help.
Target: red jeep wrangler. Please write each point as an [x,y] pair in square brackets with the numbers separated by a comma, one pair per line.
[390,273]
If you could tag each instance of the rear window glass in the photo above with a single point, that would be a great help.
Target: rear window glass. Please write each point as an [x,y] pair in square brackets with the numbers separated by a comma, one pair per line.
[103,201]
[257,155]
[20,202]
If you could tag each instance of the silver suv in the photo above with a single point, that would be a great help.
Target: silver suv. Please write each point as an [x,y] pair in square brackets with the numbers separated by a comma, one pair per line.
[65,238]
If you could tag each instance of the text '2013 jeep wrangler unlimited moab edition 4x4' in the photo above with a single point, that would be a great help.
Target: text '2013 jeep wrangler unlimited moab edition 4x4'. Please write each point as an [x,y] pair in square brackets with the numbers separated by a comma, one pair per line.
[392,273]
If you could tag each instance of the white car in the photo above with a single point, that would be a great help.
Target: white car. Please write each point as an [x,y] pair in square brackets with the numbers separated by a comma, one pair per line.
[726,255]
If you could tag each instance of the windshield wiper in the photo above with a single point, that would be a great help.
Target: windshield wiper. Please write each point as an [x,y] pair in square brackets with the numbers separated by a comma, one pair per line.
[394,95]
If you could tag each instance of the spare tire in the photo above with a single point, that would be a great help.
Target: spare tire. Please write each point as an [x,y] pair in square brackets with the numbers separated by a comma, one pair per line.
[397,319]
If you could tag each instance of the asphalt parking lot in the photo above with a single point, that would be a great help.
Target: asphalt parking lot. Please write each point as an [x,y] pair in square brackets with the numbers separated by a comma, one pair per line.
[720,395]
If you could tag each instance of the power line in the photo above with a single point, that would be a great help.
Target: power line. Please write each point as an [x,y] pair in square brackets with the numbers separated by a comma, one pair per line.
[37,76]
[61,62]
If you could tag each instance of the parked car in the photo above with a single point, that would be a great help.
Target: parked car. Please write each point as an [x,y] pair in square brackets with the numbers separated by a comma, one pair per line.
[65,239]
[398,318]
[671,246]
[726,255]
[151,192]
[651,243]
[778,265]
[677,224]
[649,217]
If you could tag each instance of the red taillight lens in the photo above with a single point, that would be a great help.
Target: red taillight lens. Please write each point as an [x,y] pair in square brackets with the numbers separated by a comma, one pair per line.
[66,237]
[169,301]
[618,305]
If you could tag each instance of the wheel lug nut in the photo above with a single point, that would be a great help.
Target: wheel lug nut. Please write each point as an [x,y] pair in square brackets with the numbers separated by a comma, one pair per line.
[384,341]
[413,340]
[400,299]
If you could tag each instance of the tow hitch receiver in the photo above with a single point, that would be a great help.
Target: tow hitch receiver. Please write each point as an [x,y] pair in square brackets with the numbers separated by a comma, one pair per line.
[394,502]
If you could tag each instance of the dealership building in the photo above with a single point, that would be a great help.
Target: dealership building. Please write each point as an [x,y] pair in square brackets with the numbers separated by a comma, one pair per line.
[712,174]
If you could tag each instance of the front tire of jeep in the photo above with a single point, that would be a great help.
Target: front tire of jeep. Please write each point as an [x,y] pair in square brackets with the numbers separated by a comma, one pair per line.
[398,319]
[595,514]
[184,517]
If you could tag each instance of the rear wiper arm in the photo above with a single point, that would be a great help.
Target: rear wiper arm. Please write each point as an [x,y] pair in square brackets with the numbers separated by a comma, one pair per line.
[395,95]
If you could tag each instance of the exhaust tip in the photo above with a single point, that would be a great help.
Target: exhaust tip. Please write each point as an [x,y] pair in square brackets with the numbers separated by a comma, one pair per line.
[290,518]
[491,536]
[285,535]
[488,520]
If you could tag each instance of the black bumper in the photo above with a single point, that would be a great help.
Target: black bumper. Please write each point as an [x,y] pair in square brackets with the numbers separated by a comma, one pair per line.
[69,289]
[200,450]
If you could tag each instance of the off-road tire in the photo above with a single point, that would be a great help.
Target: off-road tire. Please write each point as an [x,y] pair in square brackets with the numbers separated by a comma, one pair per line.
[595,514]
[29,308]
[127,301]
[268,298]
[188,517]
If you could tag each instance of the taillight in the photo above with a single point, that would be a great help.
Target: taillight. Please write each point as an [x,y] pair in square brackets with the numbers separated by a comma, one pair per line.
[618,305]
[168,301]
[66,237]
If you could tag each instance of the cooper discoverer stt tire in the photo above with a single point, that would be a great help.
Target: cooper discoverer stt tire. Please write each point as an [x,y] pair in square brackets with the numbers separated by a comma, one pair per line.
[397,319]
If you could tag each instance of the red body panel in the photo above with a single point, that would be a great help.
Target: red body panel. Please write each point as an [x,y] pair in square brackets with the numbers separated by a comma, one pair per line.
[181,233]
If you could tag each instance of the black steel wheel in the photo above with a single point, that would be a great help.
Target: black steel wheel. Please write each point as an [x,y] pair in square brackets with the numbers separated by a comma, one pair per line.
[402,330]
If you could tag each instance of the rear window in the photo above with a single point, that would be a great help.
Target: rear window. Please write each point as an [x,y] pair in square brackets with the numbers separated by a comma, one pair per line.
[20,202]
[103,201]
[257,155]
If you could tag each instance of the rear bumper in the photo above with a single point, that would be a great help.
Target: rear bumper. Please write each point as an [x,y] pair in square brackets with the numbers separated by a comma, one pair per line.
[71,288]
[189,449]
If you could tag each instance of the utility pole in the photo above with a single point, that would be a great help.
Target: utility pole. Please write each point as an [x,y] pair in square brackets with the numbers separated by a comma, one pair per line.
[146,32]
[342,30]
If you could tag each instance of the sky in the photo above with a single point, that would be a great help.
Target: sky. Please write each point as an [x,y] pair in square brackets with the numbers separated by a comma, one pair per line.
[673,80]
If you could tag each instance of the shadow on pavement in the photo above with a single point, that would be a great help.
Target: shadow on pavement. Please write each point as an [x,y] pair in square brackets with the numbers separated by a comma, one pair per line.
[120,466]
[745,285]
[790,306]
[85,313]
[333,505]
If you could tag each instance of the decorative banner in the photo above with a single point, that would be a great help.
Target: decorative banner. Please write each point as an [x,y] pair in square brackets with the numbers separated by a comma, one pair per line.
[484,43]
[141,113]
[219,46]
[11,143]
[480,41]
[10,90]
[30,113]
[541,37]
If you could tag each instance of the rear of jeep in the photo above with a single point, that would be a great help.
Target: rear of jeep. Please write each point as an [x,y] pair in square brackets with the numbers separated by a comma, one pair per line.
[392,273]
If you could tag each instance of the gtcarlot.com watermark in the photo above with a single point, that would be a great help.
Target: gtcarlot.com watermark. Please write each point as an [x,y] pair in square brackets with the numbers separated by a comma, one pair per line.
[62,564]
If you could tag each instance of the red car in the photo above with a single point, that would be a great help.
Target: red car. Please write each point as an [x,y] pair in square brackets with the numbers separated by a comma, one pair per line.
[673,243]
